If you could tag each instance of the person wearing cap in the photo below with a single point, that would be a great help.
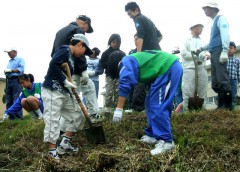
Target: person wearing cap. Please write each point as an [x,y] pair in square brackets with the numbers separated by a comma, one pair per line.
[15,68]
[148,34]
[82,25]
[58,102]
[233,67]
[191,44]
[218,47]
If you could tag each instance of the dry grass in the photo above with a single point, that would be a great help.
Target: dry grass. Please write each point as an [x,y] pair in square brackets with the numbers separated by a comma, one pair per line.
[206,141]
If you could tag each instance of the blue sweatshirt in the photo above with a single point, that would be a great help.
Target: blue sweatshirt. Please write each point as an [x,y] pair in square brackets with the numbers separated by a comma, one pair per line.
[17,104]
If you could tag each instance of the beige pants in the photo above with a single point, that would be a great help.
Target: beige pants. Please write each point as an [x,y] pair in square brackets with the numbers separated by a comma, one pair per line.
[188,85]
[58,105]
[111,96]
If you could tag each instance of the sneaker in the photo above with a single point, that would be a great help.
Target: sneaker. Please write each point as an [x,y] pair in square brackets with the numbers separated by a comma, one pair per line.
[148,139]
[162,147]
[53,156]
[5,117]
[128,111]
[95,118]
[63,149]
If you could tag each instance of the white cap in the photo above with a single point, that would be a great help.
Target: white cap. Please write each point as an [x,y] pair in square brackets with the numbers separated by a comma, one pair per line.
[195,24]
[10,49]
[211,4]
[83,39]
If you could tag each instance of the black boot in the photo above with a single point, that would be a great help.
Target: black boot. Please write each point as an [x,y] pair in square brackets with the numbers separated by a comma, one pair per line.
[228,100]
[220,100]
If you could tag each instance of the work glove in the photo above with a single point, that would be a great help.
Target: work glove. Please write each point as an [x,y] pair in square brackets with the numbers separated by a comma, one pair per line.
[207,55]
[37,95]
[69,85]
[223,57]
[91,73]
[84,78]
[198,51]
[6,71]
[5,116]
[117,117]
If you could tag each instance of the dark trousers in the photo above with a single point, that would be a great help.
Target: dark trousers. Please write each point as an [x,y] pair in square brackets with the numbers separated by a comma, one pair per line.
[220,77]
[137,97]
[13,91]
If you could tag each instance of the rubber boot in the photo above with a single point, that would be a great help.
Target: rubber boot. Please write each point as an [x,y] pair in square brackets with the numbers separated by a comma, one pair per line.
[220,100]
[228,100]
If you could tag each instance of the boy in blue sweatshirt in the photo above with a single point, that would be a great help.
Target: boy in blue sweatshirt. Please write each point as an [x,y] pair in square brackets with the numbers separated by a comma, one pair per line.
[163,72]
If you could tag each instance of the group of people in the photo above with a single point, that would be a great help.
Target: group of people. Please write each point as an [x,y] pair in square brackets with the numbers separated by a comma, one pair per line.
[127,77]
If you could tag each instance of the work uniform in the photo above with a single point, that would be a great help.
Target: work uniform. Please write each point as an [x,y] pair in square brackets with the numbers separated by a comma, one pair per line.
[219,42]
[188,80]
[163,72]
[57,100]
[147,31]
[13,87]
[35,91]
[63,37]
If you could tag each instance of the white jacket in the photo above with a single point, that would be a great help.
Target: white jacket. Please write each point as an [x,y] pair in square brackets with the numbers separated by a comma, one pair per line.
[192,44]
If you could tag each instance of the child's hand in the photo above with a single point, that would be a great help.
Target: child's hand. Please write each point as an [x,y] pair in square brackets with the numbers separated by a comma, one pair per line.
[178,109]
[69,85]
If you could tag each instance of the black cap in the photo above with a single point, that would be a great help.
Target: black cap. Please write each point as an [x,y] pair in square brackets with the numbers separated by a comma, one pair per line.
[88,20]
[232,44]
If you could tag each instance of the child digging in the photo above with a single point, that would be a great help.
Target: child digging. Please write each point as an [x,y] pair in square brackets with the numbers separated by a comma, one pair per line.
[57,99]
[163,72]
[30,98]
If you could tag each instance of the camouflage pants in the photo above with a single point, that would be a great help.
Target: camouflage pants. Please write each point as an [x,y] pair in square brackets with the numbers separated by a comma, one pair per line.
[111,96]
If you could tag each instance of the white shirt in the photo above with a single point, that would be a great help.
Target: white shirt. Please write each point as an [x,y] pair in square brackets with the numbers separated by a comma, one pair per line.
[192,44]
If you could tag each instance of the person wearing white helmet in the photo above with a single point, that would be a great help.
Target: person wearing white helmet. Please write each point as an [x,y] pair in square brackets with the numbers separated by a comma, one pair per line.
[191,44]
[218,47]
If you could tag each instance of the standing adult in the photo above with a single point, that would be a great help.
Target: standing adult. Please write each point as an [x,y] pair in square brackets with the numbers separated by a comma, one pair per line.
[82,25]
[191,44]
[148,35]
[218,47]
[15,68]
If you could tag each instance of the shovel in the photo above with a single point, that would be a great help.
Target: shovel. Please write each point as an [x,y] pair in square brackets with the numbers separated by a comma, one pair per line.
[95,132]
[195,103]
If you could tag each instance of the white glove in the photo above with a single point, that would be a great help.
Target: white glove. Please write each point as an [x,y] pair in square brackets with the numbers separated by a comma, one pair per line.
[5,116]
[69,85]
[84,78]
[91,73]
[207,55]
[117,117]
[37,95]
[7,71]
[223,57]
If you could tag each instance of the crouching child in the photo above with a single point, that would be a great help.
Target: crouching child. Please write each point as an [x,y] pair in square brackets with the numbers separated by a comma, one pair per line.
[57,98]
[30,98]
[163,72]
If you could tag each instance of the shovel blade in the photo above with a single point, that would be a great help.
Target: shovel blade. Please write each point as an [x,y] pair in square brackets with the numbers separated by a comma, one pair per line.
[195,103]
[95,134]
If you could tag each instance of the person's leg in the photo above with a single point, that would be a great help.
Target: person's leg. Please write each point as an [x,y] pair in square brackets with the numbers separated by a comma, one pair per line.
[139,97]
[53,102]
[89,93]
[188,86]
[17,89]
[96,84]
[234,92]
[162,93]
[130,96]
[222,78]
[109,93]
[202,84]
[9,97]
[115,96]
[32,105]
[73,121]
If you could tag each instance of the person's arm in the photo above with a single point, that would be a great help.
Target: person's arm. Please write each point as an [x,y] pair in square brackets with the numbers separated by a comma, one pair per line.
[159,35]
[20,68]
[99,70]
[59,57]
[185,50]
[140,34]
[16,105]
[238,70]
[103,60]
[224,32]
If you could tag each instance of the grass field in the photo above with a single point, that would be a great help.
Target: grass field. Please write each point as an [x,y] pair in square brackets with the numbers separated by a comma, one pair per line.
[206,141]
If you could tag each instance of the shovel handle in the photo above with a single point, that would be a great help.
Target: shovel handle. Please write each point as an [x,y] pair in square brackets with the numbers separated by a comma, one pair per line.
[65,67]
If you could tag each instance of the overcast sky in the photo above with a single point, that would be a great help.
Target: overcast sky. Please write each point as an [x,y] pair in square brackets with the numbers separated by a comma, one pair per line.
[31,25]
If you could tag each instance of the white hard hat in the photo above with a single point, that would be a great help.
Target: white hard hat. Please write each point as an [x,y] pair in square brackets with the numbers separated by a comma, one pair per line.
[211,4]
